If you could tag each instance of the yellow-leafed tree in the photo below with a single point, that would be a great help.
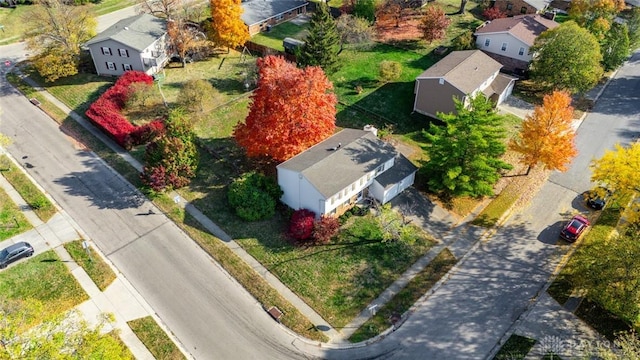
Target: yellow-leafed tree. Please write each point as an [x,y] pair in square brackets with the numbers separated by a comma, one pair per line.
[227,28]
[546,136]
[619,171]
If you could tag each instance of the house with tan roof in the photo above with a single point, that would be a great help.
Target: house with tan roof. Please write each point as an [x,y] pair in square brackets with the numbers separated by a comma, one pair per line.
[135,43]
[509,40]
[332,176]
[461,74]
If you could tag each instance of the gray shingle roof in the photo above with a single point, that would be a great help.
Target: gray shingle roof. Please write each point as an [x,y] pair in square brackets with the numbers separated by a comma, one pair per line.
[524,27]
[466,70]
[257,11]
[402,168]
[330,170]
[138,31]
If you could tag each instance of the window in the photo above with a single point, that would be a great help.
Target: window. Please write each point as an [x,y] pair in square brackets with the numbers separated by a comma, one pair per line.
[123,52]
[504,47]
[333,200]
[155,54]
[523,10]
[361,181]
[521,51]
[487,42]
[111,66]
[106,50]
[126,67]
[441,81]
[279,17]
[509,6]
[353,187]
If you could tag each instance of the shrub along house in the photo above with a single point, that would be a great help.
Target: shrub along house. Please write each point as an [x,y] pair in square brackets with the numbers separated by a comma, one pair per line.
[460,74]
[333,175]
[259,15]
[135,43]
[508,40]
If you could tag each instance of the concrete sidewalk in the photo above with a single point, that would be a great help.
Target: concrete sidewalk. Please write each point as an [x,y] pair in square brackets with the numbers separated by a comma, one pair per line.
[119,299]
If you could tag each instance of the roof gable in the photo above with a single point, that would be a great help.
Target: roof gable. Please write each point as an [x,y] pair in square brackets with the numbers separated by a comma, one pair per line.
[137,32]
[340,160]
[523,27]
[466,70]
[257,11]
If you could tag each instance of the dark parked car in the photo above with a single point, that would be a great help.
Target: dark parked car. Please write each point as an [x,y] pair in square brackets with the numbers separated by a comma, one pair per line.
[574,228]
[597,198]
[15,252]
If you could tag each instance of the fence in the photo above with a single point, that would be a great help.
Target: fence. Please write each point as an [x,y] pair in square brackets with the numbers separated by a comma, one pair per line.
[261,50]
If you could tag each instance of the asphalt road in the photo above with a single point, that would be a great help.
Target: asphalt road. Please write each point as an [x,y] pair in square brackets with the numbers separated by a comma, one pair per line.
[207,310]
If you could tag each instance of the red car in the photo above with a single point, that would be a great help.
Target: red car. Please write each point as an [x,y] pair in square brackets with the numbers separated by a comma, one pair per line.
[574,228]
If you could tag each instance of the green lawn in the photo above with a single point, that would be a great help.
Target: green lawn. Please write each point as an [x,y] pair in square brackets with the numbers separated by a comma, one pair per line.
[45,278]
[155,339]
[96,268]
[12,221]
[273,38]
[30,193]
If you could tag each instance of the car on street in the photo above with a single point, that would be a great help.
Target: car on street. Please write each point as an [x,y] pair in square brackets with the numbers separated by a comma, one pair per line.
[597,198]
[574,228]
[15,252]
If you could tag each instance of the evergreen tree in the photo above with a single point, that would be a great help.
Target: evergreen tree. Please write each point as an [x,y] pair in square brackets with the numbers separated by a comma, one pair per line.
[323,42]
[464,154]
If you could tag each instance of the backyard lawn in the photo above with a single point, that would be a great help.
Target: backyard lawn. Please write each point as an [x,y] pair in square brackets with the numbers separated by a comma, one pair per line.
[273,38]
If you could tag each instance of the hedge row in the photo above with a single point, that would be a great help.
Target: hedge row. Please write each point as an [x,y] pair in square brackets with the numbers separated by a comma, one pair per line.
[106,113]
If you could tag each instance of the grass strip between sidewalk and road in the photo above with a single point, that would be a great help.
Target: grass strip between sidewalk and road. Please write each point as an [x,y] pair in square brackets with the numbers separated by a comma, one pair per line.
[38,202]
[12,220]
[515,348]
[243,273]
[491,214]
[406,297]
[155,339]
[98,270]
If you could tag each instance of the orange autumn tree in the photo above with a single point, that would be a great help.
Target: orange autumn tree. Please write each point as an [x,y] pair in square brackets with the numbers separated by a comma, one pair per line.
[227,28]
[546,136]
[291,110]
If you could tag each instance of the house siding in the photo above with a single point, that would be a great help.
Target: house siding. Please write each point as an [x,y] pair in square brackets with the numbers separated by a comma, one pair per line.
[495,45]
[514,7]
[432,97]
[300,193]
[135,59]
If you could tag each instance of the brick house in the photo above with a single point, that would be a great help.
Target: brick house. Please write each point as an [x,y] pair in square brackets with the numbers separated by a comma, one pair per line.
[258,15]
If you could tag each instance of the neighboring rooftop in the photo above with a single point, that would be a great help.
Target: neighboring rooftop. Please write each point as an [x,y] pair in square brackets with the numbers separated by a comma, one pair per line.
[138,31]
[466,70]
[524,27]
[538,4]
[341,159]
[257,11]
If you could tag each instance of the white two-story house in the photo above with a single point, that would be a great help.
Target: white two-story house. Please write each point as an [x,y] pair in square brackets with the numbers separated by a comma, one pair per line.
[509,40]
[333,175]
[135,43]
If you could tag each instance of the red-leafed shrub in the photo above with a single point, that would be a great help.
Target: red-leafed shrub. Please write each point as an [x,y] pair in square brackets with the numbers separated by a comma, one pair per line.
[106,111]
[301,225]
[493,13]
[145,133]
[325,228]
[155,177]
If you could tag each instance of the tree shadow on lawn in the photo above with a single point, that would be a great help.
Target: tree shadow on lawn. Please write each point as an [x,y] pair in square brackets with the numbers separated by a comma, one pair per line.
[390,104]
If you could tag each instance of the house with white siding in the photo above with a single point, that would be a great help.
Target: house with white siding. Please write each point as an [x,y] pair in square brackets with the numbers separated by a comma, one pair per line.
[136,43]
[509,40]
[332,176]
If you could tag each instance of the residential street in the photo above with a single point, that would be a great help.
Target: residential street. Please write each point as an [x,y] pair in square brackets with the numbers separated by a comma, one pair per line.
[215,318]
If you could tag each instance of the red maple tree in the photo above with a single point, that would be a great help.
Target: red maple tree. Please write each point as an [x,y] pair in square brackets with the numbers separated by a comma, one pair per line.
[434,23]
[291,110]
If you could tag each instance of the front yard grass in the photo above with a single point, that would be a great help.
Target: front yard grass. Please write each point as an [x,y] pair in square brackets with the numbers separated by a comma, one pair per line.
[45,278]
[96,268]
[12,221]
[155,339]
[38,202]
[406,297]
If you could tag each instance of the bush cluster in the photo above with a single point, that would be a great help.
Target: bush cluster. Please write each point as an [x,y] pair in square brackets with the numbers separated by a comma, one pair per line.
[304,229]
[254,196]
[106,112]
